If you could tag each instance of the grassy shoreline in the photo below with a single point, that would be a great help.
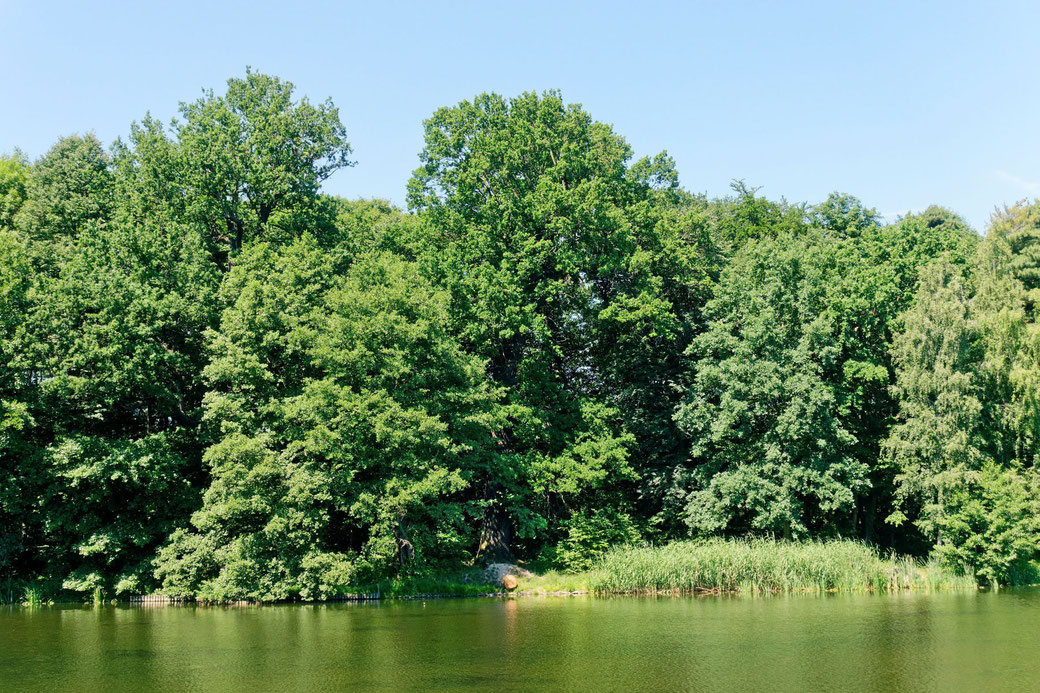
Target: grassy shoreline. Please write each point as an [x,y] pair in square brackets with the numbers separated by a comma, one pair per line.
[754,566]
[713,566]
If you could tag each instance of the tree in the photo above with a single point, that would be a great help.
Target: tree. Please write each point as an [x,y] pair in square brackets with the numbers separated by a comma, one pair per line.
[14,176]
[937,441]
[965,443]
[125,292]
[745,216]
[989,523]
[151,178]
[19,456]
[116,339]
[1009,365]
[348,423]
[773,453]
[69,190]
[788,398]
[545,236]
[878,282]
[1019,224]
[844,214]
[253,156]
[640,353]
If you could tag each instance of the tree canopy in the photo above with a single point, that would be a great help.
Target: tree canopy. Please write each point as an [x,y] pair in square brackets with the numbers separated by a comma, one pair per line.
[219,382]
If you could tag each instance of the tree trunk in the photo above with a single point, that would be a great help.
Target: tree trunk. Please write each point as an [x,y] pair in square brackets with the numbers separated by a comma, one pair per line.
[938,530]
[236,235]
[496,531]
[868,519]
[406,552]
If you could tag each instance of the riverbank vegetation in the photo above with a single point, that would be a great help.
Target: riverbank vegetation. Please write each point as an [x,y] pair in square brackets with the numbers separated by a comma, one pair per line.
[217,382]
[765,565]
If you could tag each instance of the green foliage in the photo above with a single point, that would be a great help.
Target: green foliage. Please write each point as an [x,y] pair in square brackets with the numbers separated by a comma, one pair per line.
[875,288]
[844,214]
[966,382]
[118,332]
[1019,226]
[788,402]
[348,424]
[551,246]
[149,177]
[746,216]
[938,438]
[14,176]
[590,535]
[989,524]
[110,504]
[217,381]
[116,337]
[32,597]
[254,156]
[762,411]
[69,190]
[1010,352]
[368,225]
[19,458]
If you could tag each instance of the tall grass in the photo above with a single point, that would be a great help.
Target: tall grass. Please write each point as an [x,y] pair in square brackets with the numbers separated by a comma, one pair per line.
[765,565]
[23,592]
[32,596]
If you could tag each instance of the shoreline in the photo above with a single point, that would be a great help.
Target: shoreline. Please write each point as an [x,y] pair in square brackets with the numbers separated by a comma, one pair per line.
[703,593]
[712,567]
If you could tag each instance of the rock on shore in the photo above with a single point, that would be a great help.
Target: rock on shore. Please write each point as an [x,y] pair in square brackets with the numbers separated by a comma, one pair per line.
[495,572]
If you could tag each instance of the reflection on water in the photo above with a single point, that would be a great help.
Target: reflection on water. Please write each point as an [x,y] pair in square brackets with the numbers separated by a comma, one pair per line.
[903,642]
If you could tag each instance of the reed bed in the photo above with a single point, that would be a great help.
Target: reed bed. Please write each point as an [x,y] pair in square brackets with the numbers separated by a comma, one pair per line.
[765,566]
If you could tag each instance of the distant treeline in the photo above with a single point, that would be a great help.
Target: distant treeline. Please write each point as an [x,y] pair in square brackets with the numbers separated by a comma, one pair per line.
[216,381]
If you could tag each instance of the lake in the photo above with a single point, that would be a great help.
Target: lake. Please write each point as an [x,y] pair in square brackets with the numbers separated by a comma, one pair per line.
[885,642]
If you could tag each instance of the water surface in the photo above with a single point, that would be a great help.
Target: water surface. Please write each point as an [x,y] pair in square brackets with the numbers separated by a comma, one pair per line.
[903,642]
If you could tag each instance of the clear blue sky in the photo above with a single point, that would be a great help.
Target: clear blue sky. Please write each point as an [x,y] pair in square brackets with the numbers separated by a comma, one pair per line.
[903,104]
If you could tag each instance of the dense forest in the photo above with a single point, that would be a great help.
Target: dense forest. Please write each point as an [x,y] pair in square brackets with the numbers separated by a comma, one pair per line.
[217,381]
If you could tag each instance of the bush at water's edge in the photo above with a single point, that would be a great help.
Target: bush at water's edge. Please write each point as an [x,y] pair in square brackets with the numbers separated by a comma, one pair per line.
[743,566]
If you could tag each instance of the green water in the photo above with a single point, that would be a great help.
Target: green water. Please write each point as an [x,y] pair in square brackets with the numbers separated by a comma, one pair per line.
[915,642]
